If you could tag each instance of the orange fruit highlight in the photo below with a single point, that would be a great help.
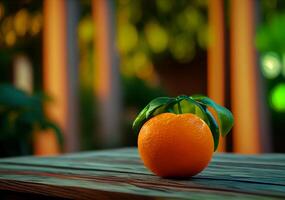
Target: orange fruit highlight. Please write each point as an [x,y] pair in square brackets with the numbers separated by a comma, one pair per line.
[175,145]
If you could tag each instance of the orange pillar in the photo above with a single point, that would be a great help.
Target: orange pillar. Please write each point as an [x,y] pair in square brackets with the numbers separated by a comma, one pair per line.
[54,71]
[216,57]
[107,74]
[244,85]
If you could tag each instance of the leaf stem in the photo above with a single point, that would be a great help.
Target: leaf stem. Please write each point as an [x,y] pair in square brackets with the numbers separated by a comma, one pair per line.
[179,107]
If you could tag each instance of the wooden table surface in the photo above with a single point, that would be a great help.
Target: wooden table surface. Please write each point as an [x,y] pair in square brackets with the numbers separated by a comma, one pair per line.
[119,174]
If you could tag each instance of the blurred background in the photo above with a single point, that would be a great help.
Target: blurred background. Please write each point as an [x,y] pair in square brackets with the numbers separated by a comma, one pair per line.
[75,73]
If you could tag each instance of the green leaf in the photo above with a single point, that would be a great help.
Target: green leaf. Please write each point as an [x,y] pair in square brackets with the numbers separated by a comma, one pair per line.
[214,128]
[151,110]
[167,108]
[156,103]
[197,109]
[225,117]
[140,120]
[13,97]
[187,107]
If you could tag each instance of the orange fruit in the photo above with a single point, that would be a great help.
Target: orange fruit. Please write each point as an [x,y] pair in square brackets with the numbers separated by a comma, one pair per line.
[175,145]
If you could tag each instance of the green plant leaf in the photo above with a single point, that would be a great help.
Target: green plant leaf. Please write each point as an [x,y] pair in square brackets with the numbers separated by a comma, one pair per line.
[197,109]
[155,107]
[214,128]
[13,97]
[225,117]
[156,103]
[140,119]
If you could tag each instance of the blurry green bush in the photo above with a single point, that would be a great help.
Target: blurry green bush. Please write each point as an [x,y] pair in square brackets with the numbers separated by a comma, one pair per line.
[270,42]
[20,115]
[271,36]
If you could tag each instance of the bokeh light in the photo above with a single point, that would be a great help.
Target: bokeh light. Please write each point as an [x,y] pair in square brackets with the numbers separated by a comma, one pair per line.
[139,60]
[7,25]
[156,36]
[145,39]
[86,29]
[36,24]
[127,37]
[190,19]
[181,50]
[277,99]
[10,38]
[21,22]
[270,65]
[164,6]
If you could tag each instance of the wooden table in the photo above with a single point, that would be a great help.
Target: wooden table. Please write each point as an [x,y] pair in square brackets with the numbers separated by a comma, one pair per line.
[119,174]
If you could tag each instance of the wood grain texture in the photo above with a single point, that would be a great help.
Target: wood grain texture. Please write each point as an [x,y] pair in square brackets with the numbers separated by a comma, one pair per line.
[120,174]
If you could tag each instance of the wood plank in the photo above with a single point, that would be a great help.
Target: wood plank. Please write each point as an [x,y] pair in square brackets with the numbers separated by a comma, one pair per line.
[126,165]
[234,169]
[120,172]
[118,177]
[98,189]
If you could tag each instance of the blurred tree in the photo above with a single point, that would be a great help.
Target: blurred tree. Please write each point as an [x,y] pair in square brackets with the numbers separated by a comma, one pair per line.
[162,28]
[21,115]
[271,35]
[166,37]
[270,39]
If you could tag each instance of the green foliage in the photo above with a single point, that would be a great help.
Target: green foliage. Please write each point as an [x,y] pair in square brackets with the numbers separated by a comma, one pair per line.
[271,35]
[189,104]
[214,128]
[162,28]
[157,103]
[224,115]
[21,114]
[148,111]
